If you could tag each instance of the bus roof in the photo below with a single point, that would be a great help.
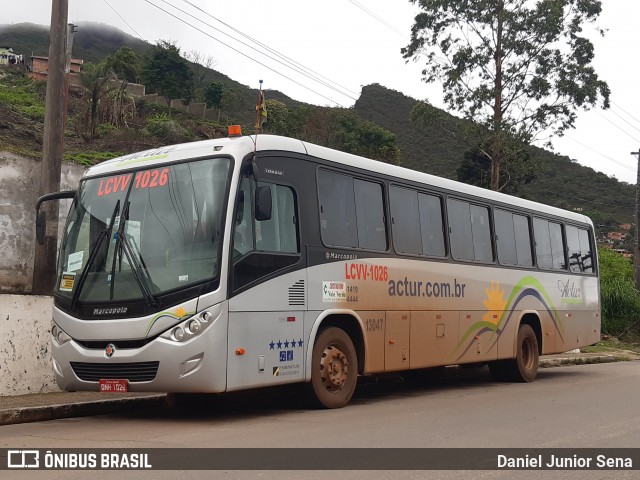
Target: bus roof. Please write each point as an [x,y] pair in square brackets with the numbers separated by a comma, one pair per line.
[239,147]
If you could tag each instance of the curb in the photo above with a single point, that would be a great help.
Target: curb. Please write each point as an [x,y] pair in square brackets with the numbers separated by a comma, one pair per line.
[580,360]
[53,412]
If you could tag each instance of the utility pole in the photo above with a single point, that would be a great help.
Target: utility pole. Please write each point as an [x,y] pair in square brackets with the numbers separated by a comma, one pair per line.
[44,267]
[636,253]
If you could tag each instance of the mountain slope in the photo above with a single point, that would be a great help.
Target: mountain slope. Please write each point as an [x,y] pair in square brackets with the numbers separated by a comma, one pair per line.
[559,181]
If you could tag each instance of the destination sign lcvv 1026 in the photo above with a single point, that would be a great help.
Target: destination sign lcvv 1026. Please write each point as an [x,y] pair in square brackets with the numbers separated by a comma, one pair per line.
[145,179]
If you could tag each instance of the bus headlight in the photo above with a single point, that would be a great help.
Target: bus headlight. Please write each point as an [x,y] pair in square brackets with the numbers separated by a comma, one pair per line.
[193,326]
[178,333]
[59,335]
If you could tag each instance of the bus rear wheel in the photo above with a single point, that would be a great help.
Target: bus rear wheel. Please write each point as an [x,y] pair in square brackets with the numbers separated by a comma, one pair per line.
[524,367]
[334,369]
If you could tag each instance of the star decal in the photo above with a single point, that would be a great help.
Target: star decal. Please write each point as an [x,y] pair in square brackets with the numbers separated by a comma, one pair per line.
[272,345]
[286,344]
[279,344]
[300,343]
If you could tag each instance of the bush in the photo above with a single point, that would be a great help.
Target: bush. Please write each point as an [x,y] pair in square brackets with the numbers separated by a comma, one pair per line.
[620,301]
[106,129]
[163,127]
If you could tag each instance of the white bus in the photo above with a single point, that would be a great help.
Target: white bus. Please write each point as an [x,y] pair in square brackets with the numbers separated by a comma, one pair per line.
[246,262]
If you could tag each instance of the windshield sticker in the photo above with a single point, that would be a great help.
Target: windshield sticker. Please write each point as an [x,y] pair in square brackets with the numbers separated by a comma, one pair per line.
[74,262]
[133,229]
[67,281]
[183,278]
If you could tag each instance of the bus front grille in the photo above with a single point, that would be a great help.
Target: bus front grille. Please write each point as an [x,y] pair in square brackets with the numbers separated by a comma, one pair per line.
[134,372]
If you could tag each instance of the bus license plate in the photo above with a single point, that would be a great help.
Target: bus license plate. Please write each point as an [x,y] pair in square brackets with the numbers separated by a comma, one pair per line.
[110,385]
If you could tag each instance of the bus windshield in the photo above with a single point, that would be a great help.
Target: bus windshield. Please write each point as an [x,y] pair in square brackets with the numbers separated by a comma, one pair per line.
[135,235]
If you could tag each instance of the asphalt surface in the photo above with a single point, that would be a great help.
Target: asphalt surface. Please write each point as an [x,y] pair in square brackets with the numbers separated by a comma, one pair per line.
[39,407]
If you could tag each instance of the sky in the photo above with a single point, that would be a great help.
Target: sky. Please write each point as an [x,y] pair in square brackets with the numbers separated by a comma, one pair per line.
[343,45]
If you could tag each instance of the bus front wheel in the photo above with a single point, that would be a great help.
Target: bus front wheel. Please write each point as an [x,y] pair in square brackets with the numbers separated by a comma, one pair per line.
[334,369]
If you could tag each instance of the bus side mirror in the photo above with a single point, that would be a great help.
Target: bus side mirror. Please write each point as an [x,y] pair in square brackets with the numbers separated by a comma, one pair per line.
[41,226]
[41,216]
[263,203]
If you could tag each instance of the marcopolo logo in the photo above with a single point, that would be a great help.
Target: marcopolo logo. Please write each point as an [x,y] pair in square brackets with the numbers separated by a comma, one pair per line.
[23,459]
[110,311]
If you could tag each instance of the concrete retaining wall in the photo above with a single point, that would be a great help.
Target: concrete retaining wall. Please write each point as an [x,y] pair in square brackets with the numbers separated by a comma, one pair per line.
[19,184]
[25,356]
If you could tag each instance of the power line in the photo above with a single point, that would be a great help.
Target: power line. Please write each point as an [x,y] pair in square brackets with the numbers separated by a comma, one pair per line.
[602,154]
[242,53]
[614,103]
[294,67]
[619,128]
[376,17]
[121,18]
[625,121]
[266,47]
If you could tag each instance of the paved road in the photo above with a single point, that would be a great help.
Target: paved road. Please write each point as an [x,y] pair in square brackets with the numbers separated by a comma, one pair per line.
[573,406]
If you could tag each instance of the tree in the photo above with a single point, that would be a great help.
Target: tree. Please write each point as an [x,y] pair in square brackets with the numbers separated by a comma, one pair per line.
[201,65]
[213,94]
[279,119]
[95,78]
[167,73]
[517,68]
[125,64]
[475,169]
[363,137]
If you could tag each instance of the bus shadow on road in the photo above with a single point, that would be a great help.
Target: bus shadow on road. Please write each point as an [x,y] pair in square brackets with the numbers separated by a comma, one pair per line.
[293,398]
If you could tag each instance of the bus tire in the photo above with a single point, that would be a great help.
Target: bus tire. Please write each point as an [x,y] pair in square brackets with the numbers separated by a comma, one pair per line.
[334,369]
[524,367]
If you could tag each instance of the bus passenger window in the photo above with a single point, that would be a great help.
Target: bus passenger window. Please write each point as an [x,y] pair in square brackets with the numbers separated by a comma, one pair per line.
[351,212]
[513,239]
[404,214]
[460,230]
[586,252]
[370,215]
[579,249]
[549,244]
[470,231]
[337,209]
[431,225]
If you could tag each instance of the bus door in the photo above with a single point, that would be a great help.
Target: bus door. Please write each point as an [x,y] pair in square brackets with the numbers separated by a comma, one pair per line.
[266,340]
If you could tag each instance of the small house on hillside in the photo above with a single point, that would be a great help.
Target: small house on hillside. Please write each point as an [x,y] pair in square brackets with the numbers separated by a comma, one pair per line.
[9,57]
[40,66]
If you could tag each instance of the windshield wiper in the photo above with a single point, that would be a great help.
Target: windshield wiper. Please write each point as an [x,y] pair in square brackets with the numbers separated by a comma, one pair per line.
[122,244]
[93,254]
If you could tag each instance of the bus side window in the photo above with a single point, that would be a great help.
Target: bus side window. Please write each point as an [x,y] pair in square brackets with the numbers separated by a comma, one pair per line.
[549,244]
[586,250]
[280,232]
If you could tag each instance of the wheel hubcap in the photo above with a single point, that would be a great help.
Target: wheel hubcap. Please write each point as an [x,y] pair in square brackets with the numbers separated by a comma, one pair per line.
[334,368]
